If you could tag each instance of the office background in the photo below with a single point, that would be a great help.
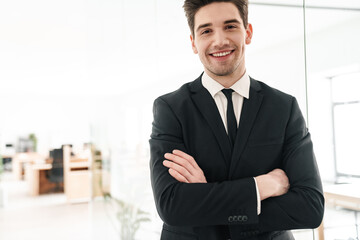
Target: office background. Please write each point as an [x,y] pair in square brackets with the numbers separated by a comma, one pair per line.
[75,72]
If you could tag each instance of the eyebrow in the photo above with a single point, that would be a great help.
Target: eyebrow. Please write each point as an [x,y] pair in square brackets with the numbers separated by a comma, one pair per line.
[232,21]
[210,24]
[203,26]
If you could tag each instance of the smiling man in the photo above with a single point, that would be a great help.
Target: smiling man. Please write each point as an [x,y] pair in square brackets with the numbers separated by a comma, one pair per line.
[231,158]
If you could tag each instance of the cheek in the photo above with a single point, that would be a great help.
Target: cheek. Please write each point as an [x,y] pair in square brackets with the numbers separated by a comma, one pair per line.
[240,41]
[201,47]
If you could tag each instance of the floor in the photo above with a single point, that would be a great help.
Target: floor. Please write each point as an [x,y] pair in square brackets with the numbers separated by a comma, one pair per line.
[50,217]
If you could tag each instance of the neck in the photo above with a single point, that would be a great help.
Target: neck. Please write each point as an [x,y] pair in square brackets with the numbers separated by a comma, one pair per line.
[228,80]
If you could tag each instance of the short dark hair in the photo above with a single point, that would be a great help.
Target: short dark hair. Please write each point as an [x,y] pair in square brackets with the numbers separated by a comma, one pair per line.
[192,6]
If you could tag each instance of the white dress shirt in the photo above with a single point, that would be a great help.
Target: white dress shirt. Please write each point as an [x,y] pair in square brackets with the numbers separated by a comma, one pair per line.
[241,90]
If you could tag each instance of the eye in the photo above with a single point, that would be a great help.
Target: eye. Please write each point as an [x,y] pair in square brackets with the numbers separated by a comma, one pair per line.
[230,26]
[206,31]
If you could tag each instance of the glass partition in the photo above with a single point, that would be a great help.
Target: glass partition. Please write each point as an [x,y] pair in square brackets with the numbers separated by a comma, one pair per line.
[276,54]
[333,63]
[333,79]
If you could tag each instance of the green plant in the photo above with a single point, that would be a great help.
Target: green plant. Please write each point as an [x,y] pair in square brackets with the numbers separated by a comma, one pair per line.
[33,138]
[129,217]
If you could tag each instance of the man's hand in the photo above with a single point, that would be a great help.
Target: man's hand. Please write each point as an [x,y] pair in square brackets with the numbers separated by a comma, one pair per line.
[183,167]
[272,184]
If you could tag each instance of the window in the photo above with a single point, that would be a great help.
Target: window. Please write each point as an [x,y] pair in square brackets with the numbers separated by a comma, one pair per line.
[346,124]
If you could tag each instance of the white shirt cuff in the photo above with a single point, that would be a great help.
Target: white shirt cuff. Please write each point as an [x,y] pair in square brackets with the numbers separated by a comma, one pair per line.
[258,198]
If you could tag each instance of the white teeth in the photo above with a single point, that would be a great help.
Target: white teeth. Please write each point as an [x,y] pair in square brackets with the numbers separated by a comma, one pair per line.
[221,54]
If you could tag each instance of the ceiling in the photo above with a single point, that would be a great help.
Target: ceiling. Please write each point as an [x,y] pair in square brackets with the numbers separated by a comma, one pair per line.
[79,47]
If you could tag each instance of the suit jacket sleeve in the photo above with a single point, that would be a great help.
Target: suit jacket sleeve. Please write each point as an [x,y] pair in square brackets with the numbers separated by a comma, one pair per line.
[303,205]
[195,204]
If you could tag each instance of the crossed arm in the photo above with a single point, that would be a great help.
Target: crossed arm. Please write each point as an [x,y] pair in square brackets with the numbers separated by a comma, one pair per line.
[184,168]
[198,204]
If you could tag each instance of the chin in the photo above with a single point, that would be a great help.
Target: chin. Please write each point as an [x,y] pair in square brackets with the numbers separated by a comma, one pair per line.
[222,73]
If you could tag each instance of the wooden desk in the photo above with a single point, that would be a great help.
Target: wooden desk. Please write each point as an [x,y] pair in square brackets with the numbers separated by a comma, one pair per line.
[78,164]
[341,195]
[77,177]
[20,160]
[33,176]
[37,178]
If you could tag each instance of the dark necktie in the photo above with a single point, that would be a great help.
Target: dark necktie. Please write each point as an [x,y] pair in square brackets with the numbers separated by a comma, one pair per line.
[230,115]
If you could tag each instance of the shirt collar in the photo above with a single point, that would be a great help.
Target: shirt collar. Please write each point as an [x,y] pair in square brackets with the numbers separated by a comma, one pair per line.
[242,86]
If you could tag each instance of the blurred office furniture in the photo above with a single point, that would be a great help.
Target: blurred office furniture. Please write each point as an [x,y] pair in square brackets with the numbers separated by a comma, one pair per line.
[6,161]
[81,177]
[96,168]
[77,177]
[46,176]
[36,176]
[25,144]
[21,160]
[7,156]
[100,175]
[346,196]
[56,173]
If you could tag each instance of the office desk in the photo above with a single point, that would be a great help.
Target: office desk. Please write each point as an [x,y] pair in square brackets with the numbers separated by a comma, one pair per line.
[77,177]
[33,173]
[78,164]
[21,160]
[6,156]
[341,195]
[36,176]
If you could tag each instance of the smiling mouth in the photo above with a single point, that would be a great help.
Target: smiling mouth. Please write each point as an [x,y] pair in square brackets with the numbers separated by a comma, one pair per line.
[221,54]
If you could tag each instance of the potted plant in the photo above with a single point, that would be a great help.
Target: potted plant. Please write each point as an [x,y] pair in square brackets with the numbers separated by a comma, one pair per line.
[129,217]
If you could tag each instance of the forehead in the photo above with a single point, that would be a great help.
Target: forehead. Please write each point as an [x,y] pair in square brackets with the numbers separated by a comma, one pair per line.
[216,13]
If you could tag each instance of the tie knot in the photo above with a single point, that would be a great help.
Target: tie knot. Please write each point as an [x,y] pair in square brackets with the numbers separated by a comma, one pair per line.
[227,92]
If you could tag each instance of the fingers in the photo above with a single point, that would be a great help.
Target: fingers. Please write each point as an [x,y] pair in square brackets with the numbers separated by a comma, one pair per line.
[176,170]
[183,167]
[177,176]
[186,156]
[183,160]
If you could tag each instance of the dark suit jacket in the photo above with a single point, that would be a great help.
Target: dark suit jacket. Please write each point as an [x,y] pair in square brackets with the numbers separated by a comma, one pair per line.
[271,134]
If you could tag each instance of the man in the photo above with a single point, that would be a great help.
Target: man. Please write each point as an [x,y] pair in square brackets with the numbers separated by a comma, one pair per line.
[231,158]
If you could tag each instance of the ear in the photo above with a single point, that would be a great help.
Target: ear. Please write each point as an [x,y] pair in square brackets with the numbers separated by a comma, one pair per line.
[193,44]
[249,34]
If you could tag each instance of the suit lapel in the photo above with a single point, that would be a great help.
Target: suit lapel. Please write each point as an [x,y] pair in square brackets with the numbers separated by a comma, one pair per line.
[207,106]
[249,111]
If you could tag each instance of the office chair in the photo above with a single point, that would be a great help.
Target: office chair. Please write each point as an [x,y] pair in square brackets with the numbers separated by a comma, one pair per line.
[56,174]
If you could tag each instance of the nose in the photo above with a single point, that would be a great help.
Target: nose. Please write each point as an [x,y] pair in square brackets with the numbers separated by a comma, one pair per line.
[220,39]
